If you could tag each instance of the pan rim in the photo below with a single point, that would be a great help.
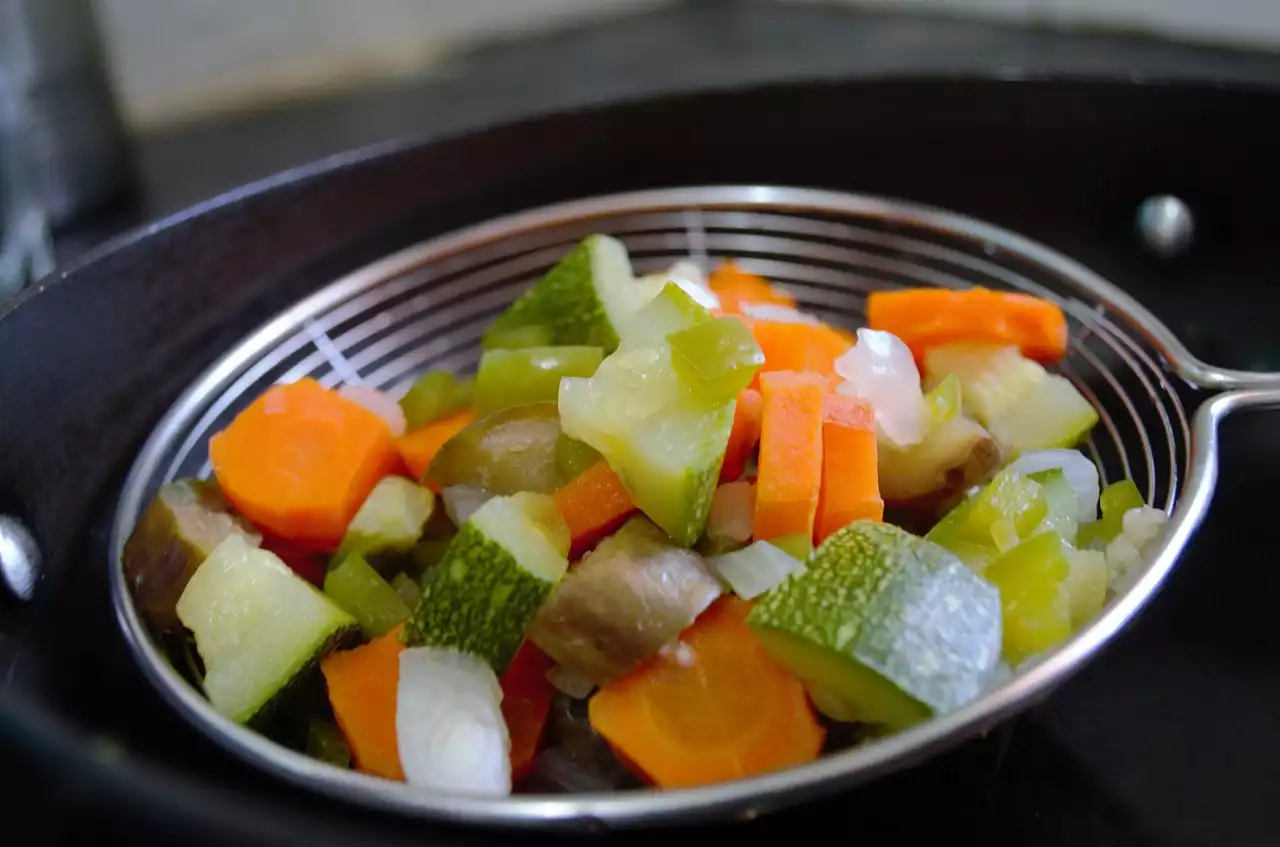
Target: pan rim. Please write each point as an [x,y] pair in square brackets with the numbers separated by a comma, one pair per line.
[745,798]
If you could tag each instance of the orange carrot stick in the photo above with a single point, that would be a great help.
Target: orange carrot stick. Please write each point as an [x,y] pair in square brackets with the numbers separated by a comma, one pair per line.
[362,687]
[790,466]
[526,702]
[744,436]
[593,504]
[927,317]
[419,447]
[798,347]
[724,712]
[850,479]
[734,286]
[300,460]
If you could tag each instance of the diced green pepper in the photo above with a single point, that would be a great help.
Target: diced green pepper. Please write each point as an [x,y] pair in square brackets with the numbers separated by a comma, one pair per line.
[434,395]
[716,358]
[326,743]
[1116,499]
[529,375]
[1061,503]
[355,586]
[1035,605]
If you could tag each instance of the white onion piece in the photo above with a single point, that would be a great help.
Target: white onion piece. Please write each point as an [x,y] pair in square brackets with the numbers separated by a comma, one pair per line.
[881,370]
[732,513]
[379,403]
[755,569]
[461,501]
[569,682]
[449,726]
[774,312]
[1079,473]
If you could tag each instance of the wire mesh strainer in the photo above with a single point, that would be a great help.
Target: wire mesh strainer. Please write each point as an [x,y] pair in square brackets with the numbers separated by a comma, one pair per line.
[427,306]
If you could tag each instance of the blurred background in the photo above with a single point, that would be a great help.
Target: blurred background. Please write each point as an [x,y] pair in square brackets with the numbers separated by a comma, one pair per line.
[113,112]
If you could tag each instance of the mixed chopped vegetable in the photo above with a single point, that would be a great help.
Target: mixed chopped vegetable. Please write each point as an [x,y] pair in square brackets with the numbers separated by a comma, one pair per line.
[647,542]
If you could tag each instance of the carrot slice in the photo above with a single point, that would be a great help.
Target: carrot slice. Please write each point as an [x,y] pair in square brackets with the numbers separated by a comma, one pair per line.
[727,712]
[419,447]
[790,466]
[593,504]
[734,286]
[300,460]
[526,702]
[927,317]
[798,347]
[850,479]
[362,687]
[744,436]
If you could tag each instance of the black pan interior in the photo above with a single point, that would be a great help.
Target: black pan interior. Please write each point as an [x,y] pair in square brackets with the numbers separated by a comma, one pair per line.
[94,359]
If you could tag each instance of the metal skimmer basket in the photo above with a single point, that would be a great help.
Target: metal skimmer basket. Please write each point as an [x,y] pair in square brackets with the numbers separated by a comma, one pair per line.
[427,306]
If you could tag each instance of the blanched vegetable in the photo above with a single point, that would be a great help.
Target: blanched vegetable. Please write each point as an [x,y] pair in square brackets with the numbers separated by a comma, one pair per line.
[497,572]
[300,460]
[593,503]
[631,595]
[726,712]
[420,446]
[573,457]
[664,441]
[362,691]
[1052,414]
[257,626]
[716,358]
[799,347]
[358,589]
[1033,595]
[181,526]
[790,466]
[688,276]
[389,521]
[408,589]
[735,287]
[570,683]
[1116,500]
[509,451]
[744,436]
[883,627]
[508,378]
[1010,508]
[434,395]
[462,501]
[1079,473]
[449,727]
[880,369]
[798,546]
[1125,552]
[1086,584]
[585,299]
[850,482]
[731,521]
[954,456]
[928,317]
[755,569]
[326,744]
[526,702]
[378,403]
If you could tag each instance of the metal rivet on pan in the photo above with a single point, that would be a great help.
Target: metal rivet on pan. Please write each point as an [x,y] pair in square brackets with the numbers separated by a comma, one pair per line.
[1165,224]
[19,558]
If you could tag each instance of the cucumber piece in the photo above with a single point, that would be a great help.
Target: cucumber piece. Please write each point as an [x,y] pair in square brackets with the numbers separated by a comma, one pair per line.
[499,569]
[258,627]
[356,587]
[716,358]
[389,521]
[630,596]
[529,375]
[993,378]
[954,456]
[1036,607]
[1052,414]
[434,395]
[181,526]
[582,300]
[883,627]
[506,452]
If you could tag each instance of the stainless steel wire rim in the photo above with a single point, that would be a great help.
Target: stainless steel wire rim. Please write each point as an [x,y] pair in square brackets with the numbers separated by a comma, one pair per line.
[424,306]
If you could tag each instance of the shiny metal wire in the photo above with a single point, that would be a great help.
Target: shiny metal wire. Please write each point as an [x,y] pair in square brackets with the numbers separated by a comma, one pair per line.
[426,307]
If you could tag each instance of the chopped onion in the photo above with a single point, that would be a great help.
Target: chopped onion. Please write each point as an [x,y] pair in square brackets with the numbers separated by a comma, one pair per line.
[1125,552]
[774,312]
[379,403]
[732,514]
[449,726]
[569,682]
[1080,474]
[881,369]
[461,501]
[754,570]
